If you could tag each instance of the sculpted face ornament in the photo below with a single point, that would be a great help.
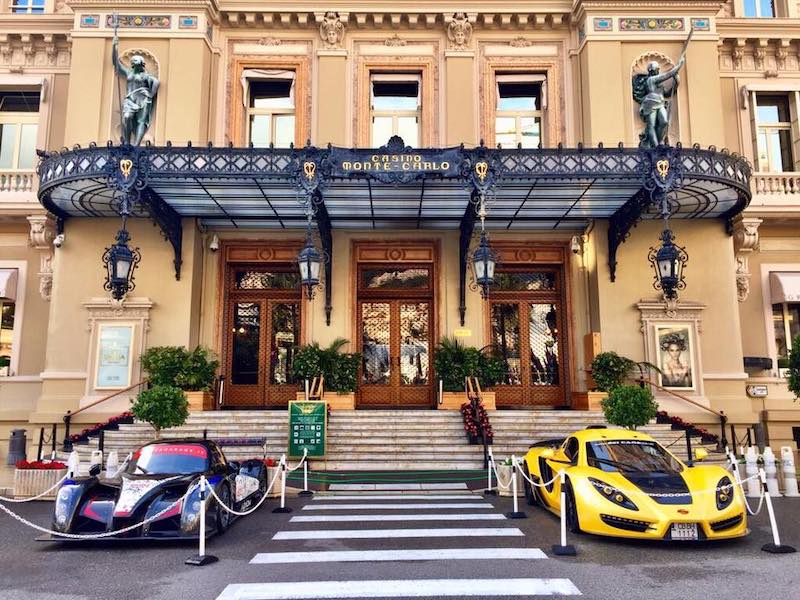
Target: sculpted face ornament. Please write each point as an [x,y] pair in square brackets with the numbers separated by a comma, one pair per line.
[331,30]
[459,31]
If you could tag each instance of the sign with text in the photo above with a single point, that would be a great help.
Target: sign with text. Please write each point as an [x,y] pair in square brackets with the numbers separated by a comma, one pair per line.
[348,162]
[307,425]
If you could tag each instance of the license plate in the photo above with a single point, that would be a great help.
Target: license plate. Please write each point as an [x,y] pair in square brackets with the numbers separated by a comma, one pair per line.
[684,531]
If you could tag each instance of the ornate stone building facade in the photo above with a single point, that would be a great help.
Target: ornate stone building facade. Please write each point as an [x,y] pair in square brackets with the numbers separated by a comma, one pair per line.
[535,75]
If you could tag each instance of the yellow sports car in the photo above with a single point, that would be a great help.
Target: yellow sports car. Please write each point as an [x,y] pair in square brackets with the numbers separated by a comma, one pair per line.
[625,484]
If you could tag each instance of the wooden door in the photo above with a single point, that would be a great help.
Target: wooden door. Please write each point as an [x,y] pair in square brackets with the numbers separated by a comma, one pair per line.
[262,325]
[396,344]
[526,317]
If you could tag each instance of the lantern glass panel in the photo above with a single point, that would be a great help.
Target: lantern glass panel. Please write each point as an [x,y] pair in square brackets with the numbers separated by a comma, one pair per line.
[314,270]
[303,271]
[123,267]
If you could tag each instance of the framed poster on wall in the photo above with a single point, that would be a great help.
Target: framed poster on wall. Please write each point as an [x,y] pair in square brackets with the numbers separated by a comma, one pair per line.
[675,356]
[114,345]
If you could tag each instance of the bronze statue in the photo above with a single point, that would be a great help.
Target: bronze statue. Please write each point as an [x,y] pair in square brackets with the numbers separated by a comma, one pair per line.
[655,101]
[137,107]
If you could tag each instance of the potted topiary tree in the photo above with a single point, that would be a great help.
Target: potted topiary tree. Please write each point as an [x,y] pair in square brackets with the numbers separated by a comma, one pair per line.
[629,406]
[340,370]
[162,406]
[453,362]
[610,370]
[192,371]
[793,369]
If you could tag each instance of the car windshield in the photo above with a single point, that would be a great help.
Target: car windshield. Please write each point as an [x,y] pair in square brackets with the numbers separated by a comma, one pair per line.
[168,459]
[630,455]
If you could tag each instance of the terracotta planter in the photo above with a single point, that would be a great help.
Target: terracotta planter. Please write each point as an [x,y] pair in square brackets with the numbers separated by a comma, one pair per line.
[588,400]
[504,479]
[335,400]
[454,400]
[278,485]
[200,401]
[30,482]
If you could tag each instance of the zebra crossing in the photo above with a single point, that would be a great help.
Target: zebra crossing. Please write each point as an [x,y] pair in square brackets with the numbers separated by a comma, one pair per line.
[421,528]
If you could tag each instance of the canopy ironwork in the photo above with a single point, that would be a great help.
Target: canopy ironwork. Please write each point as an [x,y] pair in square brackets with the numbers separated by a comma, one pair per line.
[394,187]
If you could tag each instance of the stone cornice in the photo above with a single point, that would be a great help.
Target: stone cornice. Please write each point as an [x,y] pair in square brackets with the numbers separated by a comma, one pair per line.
[211,7]
[758,28]
[48,23]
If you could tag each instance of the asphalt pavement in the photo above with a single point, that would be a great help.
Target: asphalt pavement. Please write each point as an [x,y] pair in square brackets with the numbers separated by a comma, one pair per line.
[346,551]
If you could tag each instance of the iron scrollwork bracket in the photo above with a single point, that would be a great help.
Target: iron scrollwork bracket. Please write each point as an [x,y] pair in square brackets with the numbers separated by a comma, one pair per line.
[126,174]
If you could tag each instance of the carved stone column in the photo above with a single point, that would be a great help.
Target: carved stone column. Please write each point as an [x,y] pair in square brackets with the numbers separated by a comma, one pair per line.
[745,241]
[43,231]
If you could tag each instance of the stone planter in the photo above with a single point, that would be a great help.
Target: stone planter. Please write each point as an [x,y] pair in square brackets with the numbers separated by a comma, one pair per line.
[588,400]
[199,401]
[30,482]
[276,488]
[335,400]
[504,479]
[454,400]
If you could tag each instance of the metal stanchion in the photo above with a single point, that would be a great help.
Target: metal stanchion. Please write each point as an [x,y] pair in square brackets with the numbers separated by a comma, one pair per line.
[306,491]
[202,558]
[490,491]
[563,549]
[775,547]
[516,513]
[283,508]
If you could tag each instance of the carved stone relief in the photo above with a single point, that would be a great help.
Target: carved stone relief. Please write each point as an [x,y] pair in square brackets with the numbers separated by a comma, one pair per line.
[331,30]
[19,51]
[42,234]
[459,32]
[745,242]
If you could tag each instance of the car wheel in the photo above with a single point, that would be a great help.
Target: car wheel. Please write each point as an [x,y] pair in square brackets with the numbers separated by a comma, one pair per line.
[530,493]
[223,516]
[571,508]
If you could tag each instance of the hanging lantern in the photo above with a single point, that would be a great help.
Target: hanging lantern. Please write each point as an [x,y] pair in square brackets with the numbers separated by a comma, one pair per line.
[309,261]
[120,262]
[483,263]
[668,262]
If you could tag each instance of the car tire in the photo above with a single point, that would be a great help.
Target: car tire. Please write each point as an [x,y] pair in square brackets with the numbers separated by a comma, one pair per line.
[571,508]
[530,493]
[223,517]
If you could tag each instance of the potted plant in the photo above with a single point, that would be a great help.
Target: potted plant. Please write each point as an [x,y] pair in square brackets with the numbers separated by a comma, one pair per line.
[162,406]
[505,485]
[453,362]
[33,478]
[609,370]
[629,406]
[192,371]
[793,368]
[340,370]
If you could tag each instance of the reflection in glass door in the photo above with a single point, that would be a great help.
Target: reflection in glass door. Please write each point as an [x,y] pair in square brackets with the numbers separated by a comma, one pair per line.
[526,333]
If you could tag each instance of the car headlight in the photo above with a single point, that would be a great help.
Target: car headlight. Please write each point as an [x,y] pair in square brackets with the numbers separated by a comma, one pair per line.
[612,494]
[724,493]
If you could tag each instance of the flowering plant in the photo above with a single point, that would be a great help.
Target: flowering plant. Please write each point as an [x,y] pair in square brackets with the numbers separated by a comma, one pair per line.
[270,462]
[39,465]
[476,424]
[111,423]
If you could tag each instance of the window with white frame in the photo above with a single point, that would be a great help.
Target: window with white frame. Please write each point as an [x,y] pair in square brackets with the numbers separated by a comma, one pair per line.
[19,117]
[395,107]
[270,101]
[784,290]
[519,109]
[9,278]
[27,6]
[760,8]
[773,122]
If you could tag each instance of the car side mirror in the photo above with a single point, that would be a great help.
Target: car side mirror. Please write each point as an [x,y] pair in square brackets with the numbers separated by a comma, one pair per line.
[234,466]
[700,453]
[548,453]
[94,470]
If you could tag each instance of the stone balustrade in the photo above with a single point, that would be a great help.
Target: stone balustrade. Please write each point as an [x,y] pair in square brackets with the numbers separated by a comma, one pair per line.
[17,181]
[776,183]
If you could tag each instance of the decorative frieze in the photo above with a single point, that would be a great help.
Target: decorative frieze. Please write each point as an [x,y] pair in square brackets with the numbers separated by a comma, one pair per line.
[766,56]
[140,21]
[651,24]
[395,41]
[19,51]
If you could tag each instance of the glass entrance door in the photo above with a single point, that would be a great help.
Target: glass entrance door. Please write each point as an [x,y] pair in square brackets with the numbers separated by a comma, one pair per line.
[526,320]
[396,353]
[262,330]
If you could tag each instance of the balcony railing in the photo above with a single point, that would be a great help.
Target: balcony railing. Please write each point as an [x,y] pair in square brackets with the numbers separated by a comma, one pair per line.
[17,181]
[776,183]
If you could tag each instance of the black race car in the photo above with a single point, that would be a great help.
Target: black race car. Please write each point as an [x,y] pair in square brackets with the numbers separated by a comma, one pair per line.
[152,478]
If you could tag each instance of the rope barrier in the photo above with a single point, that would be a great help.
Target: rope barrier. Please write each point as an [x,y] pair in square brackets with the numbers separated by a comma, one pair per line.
[97,536]
[252,510]
[300,464]
[44,493]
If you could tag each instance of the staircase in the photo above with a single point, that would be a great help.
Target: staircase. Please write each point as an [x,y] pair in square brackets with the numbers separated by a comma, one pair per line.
[382,439]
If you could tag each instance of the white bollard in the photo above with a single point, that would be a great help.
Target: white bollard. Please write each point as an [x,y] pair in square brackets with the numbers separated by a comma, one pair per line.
[96,458]
[771,469]
[306,491]
[789,473]
[563,549]
[516,513]
[775,547]
[751,469]
[73,464]
[283,508]
[490,491]
[112,464]
[202,558]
